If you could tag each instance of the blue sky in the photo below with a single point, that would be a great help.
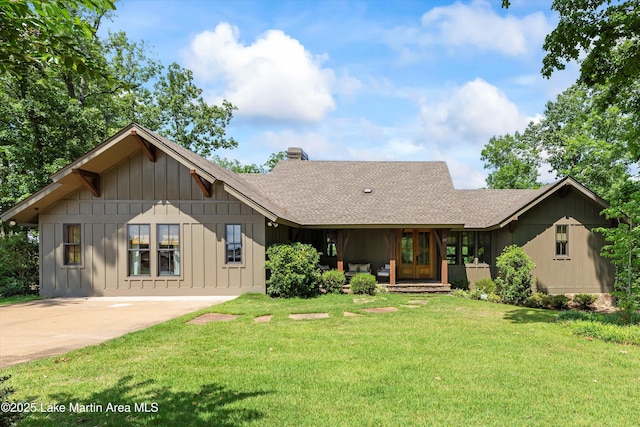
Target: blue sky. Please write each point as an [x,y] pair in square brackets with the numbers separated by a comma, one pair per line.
[360,80]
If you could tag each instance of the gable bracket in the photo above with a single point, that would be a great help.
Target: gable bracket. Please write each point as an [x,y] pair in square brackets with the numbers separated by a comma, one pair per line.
[90,180]
[512,224]
[147,148]
[202,184]
[565,190]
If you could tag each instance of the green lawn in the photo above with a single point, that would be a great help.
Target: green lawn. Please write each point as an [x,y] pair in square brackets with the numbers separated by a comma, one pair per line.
[450,362]
[18,298]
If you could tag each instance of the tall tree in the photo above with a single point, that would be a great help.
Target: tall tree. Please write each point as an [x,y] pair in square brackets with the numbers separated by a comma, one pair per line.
[575,138]
[515,159]
[604,36]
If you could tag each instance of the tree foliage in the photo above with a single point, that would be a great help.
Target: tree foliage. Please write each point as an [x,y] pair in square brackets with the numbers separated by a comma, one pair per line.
[575,138]
[515,159]
[236,166]
[48,33]
[622,245]
[604,37]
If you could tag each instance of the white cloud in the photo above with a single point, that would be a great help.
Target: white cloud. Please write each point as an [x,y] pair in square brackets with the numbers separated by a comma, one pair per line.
[457,126]
[275,77]
[479,26]
[473,113]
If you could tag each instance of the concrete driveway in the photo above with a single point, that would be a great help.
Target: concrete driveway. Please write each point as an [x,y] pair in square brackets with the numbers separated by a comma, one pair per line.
[36,329]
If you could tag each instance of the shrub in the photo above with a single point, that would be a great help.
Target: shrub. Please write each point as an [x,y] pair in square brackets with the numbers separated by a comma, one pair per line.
[559,302]
[294,270]
[7,418]
[537,300]
[475,294]
[584,301]
[514,275]
[333,281]
[485,286]
[461,283]
[381,289]
[460,293]
[494,298]
[363,283]
[18,265]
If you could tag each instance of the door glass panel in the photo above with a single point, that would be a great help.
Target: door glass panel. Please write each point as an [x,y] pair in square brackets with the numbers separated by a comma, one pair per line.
[407,247]
[423,248]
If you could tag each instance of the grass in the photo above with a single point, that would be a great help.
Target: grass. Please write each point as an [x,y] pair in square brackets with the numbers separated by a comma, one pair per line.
[17,299]
[450,362]
[604,326]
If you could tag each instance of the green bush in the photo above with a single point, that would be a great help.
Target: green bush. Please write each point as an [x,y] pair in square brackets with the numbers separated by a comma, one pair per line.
[363,283]
[559,302]
[18,265]
[584,301]
[475,294]
[294,270]
[333,281]
[514,275]
[485,286]
[461,293]
[494,298]
[7,418]
[461,283]
[537,300]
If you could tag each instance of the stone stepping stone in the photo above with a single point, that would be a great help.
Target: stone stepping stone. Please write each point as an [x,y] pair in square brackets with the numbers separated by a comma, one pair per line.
[263,319]
[349,314]
[409,306]
[418,301]
[364,300]
[305,316]
[213,317]
[380,309]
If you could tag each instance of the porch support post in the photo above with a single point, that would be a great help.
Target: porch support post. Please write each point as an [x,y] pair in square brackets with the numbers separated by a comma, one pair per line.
[442,249]
[392,256]
[390,238]
[342,239]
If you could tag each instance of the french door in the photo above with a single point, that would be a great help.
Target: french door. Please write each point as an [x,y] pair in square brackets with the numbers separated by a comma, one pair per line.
[416,254]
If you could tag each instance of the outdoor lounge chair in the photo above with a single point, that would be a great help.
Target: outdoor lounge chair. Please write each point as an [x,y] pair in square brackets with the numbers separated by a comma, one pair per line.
[385,272]
[357,268]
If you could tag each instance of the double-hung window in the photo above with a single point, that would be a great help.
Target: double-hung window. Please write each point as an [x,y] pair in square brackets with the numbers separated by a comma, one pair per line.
[562,240]
[233,240]
[72,244]
[168,249]
[139,249]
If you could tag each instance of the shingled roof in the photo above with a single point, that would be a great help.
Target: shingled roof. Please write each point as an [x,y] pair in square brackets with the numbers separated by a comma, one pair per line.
[419,194]
[362,193]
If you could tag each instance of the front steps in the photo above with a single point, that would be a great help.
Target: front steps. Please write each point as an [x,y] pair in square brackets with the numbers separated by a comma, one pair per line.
[418,288]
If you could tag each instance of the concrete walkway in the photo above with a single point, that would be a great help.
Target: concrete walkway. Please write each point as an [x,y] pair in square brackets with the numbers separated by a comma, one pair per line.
[37,329]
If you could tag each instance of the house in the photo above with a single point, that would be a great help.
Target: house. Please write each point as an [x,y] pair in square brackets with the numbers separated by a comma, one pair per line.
[141,215]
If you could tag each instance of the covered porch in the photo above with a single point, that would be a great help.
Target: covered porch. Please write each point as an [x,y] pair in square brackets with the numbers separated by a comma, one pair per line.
[414,255]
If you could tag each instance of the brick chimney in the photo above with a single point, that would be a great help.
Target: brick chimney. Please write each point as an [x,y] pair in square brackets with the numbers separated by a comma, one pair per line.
[296,153]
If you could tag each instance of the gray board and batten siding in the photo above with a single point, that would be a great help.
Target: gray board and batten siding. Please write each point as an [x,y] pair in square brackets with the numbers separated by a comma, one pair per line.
[137,191]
